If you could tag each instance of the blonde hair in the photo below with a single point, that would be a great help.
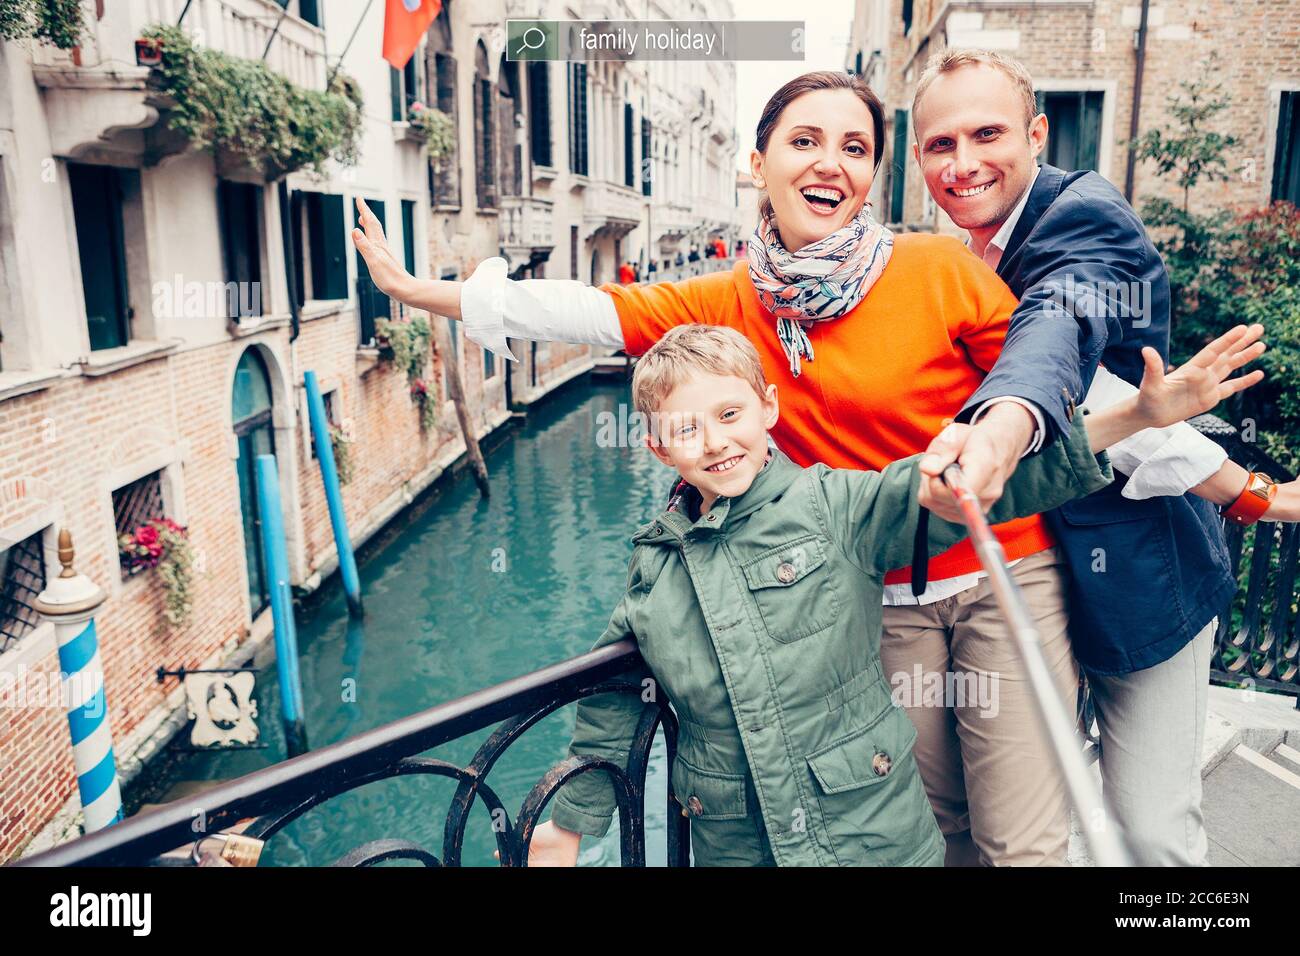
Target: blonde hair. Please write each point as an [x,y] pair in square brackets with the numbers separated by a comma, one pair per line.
[949,60]
[715,349]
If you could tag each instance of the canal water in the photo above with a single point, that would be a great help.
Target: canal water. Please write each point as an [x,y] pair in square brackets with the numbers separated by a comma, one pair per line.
[460,594]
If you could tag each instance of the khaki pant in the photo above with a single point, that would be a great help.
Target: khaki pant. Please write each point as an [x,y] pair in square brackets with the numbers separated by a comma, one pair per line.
[984,759]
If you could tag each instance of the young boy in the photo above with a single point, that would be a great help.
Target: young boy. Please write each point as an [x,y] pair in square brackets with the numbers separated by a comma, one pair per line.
[755,599]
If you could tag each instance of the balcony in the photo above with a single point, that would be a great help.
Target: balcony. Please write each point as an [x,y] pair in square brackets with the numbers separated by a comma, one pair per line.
[525,228]
[671,220]
[97,99]
[610,210]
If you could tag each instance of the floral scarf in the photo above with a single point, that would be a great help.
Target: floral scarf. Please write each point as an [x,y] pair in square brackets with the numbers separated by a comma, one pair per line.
[823,280]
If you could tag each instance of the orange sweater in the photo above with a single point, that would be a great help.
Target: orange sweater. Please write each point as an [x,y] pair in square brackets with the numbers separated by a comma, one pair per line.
[886,377]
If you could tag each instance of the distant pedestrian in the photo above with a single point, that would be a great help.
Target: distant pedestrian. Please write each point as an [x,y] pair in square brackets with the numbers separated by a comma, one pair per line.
[626,275]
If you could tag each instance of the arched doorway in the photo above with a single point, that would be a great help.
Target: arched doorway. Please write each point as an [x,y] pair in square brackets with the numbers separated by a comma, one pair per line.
[250,412]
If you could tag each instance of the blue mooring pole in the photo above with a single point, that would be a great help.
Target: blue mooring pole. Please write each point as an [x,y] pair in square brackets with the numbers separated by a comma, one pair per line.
[286,637]
[333,496]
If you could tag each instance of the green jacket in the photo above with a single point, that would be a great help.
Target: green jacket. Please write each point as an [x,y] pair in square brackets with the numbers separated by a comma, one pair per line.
[760,622]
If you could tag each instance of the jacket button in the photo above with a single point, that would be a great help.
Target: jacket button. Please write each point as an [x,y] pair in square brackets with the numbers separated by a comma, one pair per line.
[1069,404]
[785,572]
[881,764]
[693,804]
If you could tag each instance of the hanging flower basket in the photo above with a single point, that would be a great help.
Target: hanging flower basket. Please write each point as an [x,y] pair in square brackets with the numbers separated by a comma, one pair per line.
[162,544]
[422,395]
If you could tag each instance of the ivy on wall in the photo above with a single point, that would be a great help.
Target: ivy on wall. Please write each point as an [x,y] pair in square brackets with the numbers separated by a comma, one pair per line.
[57,22]
[243,111]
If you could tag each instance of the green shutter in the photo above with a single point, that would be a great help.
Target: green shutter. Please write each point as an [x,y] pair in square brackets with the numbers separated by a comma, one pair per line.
[899,178]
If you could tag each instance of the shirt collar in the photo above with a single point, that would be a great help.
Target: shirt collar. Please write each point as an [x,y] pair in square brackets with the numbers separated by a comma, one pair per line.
[998,244]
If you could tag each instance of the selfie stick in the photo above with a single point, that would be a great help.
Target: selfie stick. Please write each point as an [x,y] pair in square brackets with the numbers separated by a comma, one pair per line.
[1103,837]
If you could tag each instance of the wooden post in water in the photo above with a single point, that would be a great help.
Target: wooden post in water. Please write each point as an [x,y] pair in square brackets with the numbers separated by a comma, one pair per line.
[441,326]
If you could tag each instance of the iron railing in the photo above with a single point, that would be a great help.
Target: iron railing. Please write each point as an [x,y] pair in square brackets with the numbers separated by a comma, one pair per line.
[280,794]
[1262,648]
[1257,641]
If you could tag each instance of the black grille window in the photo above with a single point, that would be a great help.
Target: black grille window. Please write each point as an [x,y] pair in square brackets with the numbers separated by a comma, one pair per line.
[22,578]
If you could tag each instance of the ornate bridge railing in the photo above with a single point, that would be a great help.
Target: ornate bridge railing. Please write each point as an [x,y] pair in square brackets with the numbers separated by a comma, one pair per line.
[1257,640]
[280,794]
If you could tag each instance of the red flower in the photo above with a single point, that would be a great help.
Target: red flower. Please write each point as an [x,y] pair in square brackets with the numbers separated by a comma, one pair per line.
[419,388]
[146,535]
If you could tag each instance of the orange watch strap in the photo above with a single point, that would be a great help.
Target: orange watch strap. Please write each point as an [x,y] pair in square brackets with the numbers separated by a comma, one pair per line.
[1254,499]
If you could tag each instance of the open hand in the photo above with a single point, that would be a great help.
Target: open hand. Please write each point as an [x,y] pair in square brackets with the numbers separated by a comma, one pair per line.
[385,271]
[1195,388]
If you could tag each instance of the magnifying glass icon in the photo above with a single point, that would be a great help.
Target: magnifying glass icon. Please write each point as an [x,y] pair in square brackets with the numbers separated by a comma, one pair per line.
[526,41]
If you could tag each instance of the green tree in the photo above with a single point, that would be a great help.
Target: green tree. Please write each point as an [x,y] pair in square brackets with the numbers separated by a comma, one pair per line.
[1226,267]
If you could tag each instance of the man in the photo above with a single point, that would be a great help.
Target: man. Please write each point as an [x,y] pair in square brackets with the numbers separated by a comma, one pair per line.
[1147,574]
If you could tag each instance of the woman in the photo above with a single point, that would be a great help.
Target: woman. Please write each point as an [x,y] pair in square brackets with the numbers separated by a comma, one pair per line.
[874,341]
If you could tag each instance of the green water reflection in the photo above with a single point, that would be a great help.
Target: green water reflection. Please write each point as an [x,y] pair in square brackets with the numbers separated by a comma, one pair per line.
[441,622]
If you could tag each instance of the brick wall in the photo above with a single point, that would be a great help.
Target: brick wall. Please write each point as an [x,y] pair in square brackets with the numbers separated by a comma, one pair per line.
[64,441]
[1257,44]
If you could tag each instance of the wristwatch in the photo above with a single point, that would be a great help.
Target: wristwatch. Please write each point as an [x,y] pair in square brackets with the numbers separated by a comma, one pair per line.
[1254,499]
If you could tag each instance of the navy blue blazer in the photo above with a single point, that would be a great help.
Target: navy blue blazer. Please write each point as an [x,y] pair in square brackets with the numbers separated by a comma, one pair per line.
[1145,576]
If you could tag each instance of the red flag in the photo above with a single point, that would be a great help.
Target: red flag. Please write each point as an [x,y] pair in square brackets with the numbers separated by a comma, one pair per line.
[405,22]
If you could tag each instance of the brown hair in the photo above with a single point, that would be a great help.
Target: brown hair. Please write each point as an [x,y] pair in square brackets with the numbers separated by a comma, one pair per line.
[707,348]
[808,83]
[949,60]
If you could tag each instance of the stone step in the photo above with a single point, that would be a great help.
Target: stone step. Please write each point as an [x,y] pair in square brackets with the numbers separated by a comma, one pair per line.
[1251,804]
[1287,756]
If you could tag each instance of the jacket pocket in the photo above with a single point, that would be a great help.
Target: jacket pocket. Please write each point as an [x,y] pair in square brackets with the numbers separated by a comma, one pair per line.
[873,805]
[866,757]
[708,794]
[792,587]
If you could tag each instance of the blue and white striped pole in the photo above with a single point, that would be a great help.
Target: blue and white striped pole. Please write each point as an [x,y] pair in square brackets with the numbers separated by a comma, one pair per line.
[70,602]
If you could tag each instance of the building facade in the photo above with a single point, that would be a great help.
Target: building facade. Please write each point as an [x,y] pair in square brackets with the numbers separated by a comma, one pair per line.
[1084,56]
[159,306]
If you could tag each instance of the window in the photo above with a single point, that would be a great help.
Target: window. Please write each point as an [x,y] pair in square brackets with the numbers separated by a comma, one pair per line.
[539,112]
[451,337]
[1286,152]
[404,87]
[371,303]
[629,146]
[331,417]
[898,174]
[408,237]
[97,211]
[1074,128]
[489,365]
[135,505]
[907,17]
[444,185]
[573,252]
[308,10]
[408,234]
[484,133]
[319,240]
[645,156]
[240,207]
[22,578]
[578,118]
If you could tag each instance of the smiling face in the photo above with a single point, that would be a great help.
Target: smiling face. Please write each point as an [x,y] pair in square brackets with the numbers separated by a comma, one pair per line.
[818,165]
[713,430]
[974,151]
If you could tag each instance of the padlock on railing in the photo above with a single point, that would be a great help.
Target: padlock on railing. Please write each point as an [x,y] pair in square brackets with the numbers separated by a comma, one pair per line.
[236,850]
